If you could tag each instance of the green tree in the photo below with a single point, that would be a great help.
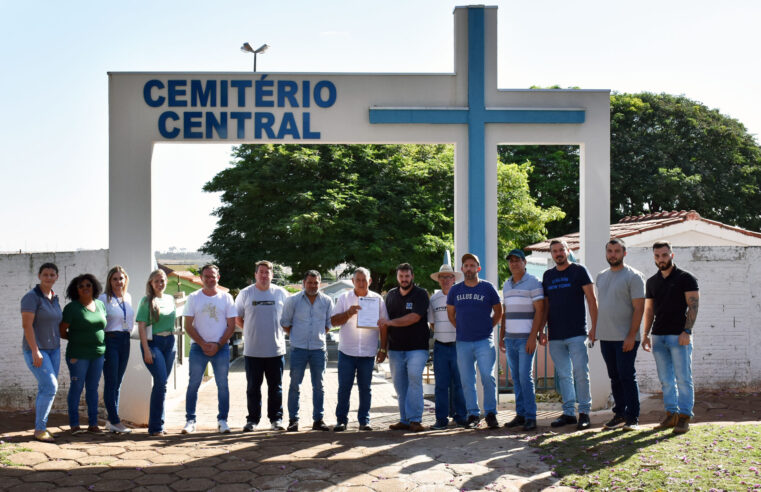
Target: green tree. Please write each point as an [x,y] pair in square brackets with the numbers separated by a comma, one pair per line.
[316,207]
[667,152]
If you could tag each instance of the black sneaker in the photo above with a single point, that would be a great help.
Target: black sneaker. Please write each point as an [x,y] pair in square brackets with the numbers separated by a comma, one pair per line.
[250,426]
[616,421]
[340,427]
[473,422]
[319,425]
[491,421]
[529,425]
[440,425]
[584,422]
[518,420]
[563,420]
[293,425]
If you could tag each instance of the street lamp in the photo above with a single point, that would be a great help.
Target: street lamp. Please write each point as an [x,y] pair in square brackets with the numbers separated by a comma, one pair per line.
[246,48]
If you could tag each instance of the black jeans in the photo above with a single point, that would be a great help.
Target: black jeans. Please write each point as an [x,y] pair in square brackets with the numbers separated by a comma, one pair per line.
[623,378]
[257,368]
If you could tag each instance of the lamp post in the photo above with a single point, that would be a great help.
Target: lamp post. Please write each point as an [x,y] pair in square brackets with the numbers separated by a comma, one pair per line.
[246,48]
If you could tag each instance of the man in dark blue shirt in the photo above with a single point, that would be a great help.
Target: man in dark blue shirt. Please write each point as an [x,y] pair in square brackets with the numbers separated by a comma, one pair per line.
[565,288]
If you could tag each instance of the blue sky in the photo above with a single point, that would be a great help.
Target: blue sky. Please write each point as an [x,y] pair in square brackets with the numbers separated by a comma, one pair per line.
[55,56]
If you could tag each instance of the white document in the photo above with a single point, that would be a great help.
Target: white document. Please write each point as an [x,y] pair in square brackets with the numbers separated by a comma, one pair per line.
[367,316]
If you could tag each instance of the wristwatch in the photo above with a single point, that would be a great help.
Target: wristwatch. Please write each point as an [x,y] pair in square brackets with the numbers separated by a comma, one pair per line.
[688,331]
[382,350]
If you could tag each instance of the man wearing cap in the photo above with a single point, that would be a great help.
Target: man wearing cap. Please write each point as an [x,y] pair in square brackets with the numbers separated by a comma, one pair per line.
[473,307]
[565,288]
[407,334]
[523,298]
[450,400]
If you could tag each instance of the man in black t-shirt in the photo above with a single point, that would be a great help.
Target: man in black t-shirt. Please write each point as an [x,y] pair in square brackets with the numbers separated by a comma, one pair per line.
[406,333]
[671,307]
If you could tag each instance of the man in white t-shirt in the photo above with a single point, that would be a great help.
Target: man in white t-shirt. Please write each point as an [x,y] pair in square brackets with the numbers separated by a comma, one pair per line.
[209,321]
[357,349]
[450,400]
[259,309]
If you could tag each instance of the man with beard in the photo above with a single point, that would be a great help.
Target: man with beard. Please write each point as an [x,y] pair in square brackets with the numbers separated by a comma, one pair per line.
[671,308]
[306,318]
[474,307]
[407,334]
[621,302]
[565,288]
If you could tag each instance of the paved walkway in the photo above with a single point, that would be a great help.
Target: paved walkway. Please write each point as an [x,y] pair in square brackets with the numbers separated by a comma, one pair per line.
[382,460]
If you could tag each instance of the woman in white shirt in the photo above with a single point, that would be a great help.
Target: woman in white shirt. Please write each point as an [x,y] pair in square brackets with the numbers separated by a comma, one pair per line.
[121,317]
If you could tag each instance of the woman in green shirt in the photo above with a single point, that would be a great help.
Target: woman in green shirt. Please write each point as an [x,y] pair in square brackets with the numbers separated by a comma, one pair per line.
[83,324]
[156,313]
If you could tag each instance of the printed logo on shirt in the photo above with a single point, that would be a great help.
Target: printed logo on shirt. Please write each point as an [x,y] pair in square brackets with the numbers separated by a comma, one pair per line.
[211,311]
[263,303]
[409,306]
[441,308]
[559,283]
[468,297]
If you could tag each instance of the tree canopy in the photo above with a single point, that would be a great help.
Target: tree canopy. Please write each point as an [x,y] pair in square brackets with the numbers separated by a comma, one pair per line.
[667,152]
[320,206]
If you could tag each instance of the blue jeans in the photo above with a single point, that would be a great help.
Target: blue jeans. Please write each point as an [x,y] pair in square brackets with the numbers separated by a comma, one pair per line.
[318,361]
[220,363]
[85,374]
[163,352]
[674,364]
[623,378]
[348,367]
[407,375]
[47,384]
[450,401]
[114,366]
[521,366]
[572,367]
[257,368]
[480,353]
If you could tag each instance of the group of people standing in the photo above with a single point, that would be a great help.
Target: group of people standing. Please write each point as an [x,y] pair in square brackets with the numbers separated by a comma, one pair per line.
[97,323]
[461,315]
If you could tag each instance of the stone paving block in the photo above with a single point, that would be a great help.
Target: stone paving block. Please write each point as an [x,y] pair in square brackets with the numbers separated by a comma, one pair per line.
[354,480]
[105,451]
[198,472]
[310,474]
[136,464]
[152,488]
[28,458]
[43,476]
[394,485]
[310,485]
[239,476]
[274,482]
[31,487]
[349,488]
[96,460]
[40,447]
[193,484]
[114,485]
[432,476]
[436,488]
[232,487]
[122,474]
[83,479]
[71,489]
[270,469]
[169,459]
[156,479]
[64,453]
[57,465]
[9,482]
[204,452]
[237,464]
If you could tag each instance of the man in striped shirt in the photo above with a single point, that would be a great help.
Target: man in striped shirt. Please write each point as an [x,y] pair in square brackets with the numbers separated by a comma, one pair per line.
[523,298]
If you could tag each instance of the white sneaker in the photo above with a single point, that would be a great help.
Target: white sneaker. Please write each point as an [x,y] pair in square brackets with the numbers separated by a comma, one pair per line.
[117,428]
[250,426]
[277,425]
[222,427]
[190,427]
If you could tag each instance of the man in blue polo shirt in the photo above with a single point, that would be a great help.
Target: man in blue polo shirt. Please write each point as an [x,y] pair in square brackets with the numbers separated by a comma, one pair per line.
[565,288]
[473,307]
[523,298]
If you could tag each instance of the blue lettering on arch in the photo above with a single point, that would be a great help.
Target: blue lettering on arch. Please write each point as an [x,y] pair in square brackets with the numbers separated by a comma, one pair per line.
[318,87]
[147,95]
[241,117]
[287,89]
[306,125]
[305,93]
[241,86]
[201,95]
[176,90]
[163,130]
[214,124]
[263,89]
[264,121]
[191,120]
[288,126]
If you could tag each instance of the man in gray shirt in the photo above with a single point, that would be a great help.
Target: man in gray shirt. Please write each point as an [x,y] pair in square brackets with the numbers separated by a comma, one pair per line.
[621,303]
[259,308]
[306,318]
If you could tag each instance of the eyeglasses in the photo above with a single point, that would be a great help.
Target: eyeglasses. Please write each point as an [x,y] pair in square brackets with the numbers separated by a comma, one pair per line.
[446,277]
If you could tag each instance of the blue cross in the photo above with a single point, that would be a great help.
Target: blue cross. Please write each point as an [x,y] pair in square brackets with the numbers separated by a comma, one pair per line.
[476,116]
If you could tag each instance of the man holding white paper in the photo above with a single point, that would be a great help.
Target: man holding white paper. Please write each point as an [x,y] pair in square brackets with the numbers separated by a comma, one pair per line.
[357,349]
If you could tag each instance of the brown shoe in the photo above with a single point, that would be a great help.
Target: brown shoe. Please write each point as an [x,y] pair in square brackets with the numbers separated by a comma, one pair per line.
[668,421]
[682,424]
[399,426]
[416,427]
[94,429]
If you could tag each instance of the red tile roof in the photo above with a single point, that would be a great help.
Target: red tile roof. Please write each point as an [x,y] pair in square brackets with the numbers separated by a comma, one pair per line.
[631,225]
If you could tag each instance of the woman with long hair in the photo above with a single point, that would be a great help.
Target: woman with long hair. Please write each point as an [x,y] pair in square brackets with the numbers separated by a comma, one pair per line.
[120,317]
[41,344]
[157,313]
[83,324]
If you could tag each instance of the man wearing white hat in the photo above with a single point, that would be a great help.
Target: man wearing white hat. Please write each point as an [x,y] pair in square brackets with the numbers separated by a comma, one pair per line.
[450,401]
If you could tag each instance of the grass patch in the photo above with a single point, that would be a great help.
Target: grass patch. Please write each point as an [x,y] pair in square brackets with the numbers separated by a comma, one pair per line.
[7,450]
[708,457]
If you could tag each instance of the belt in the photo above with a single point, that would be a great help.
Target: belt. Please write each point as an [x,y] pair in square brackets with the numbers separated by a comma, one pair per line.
[448,344]
[163,334]
[115,333]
